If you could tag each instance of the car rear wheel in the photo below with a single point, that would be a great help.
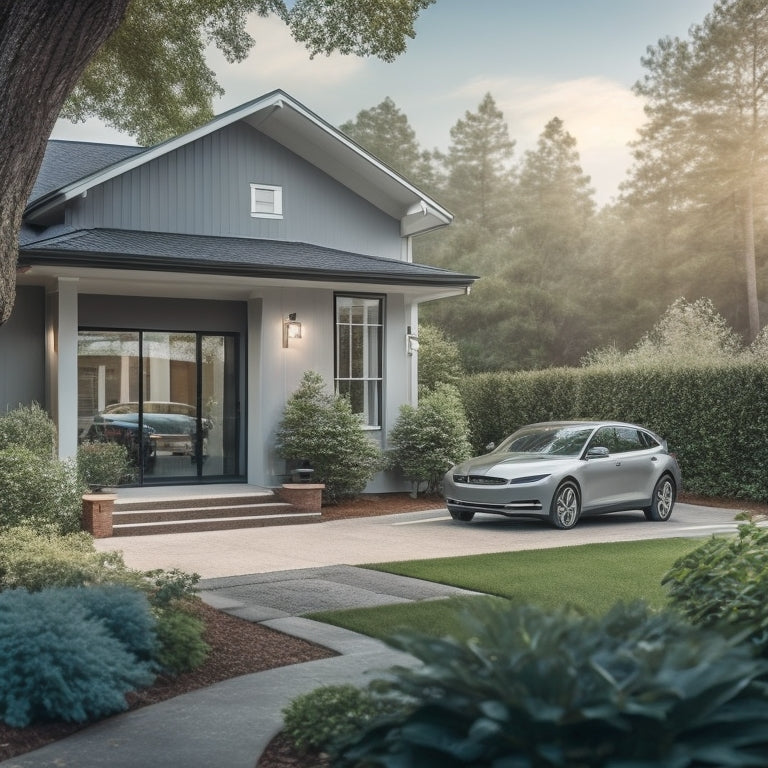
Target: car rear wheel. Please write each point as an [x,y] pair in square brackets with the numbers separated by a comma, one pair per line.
[565,508]
[662,501]
[461,515]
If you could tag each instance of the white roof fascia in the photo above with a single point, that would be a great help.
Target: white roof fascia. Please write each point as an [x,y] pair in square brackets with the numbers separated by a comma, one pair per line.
[411,222]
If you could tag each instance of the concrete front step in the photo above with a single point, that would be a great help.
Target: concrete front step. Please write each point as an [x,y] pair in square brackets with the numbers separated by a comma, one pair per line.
[179,513]
[167,512]
[213,524]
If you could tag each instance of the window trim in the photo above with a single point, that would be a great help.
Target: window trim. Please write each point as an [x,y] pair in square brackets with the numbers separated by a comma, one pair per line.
[277,202]
[381,298]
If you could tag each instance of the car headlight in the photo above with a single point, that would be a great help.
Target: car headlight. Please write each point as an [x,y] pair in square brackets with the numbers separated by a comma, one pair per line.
[529,479]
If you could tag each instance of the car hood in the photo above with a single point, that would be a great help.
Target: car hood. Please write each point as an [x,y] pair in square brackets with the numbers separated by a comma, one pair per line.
[512,465]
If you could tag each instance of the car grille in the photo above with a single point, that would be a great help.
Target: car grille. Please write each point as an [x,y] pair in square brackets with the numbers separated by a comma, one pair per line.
[479,480]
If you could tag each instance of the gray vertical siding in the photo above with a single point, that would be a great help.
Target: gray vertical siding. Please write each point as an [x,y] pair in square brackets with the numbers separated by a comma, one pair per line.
[204,188]
[22,351]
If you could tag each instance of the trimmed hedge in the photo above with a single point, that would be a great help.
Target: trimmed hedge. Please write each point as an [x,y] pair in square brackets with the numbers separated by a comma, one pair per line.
[714,416]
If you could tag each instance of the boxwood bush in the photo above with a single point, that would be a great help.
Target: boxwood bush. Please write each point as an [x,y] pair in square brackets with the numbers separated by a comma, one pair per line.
[538,688]
[714,416]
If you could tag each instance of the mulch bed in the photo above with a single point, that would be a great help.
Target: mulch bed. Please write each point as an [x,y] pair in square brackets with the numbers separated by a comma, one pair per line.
[241,647]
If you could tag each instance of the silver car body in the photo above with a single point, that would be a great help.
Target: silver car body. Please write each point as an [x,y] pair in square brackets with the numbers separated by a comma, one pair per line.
[609,466]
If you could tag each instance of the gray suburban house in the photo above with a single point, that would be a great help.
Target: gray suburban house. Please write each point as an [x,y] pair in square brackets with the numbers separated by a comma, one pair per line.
[172,297]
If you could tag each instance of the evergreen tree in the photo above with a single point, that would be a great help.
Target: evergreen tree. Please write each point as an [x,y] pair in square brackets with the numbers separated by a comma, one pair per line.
[385,132]
[704,148]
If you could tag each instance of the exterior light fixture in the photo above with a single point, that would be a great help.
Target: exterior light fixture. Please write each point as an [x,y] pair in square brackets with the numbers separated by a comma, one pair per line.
[411,342]
[291,329]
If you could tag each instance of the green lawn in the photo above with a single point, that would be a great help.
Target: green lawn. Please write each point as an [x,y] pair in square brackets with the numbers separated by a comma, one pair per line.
[591,577]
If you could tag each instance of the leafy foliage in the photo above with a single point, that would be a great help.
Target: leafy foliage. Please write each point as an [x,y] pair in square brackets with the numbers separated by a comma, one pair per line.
[439,359]
[320,428]
[29,427]
[722,584]
[42,493]
[34,560]
[317,720]
[180,638]
[688,332]
[70,654]
[538,688]
[151,79]
[104,464]
[428,440]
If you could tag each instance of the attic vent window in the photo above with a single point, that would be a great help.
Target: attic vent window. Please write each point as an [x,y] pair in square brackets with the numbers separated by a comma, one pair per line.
[266,201]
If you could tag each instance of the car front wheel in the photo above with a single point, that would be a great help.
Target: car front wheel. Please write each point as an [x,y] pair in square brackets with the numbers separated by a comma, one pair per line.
[565,508]
[662,501]
[461,515]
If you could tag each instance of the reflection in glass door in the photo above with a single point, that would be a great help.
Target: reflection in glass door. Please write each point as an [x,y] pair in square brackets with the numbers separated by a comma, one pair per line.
[171,398]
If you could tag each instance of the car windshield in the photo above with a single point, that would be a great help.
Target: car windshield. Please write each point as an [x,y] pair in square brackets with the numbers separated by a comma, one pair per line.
[548,440]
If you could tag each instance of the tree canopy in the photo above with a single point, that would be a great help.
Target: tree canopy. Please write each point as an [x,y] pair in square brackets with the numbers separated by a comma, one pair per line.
[147,73]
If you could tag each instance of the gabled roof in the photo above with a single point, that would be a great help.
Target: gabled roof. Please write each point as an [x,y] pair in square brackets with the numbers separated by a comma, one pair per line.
[291,124]
[207,254]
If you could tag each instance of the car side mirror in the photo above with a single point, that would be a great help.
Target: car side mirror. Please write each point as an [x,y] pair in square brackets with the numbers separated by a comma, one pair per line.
[598,452]
[490,446]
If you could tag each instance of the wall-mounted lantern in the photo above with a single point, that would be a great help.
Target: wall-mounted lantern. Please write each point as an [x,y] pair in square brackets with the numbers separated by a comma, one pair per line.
[291,329]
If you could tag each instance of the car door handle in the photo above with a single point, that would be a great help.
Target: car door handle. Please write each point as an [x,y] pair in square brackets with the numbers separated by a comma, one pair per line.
[653,458]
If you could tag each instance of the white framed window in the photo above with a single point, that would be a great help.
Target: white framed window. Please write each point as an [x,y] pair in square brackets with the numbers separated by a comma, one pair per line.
[359,355]
[266,201]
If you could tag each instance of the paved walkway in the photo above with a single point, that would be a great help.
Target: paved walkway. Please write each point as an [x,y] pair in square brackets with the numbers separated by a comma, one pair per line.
[229,724]
[294,570]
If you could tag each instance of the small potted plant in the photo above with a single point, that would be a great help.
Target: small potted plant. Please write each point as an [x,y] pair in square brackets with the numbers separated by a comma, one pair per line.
[103,465]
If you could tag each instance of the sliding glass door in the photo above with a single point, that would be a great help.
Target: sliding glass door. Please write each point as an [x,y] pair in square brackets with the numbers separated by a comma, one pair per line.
[170,398]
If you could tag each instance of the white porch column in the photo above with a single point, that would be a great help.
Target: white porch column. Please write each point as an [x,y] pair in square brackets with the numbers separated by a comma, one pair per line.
[64,362]
[254,421]
[412,322]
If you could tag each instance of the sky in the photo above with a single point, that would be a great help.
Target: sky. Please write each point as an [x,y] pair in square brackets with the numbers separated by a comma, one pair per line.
[539,59]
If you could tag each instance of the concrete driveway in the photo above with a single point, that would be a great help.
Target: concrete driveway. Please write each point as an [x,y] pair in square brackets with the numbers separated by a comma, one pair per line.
[407,536]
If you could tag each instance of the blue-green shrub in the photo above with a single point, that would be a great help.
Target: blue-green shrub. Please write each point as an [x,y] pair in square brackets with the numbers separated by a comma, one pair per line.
[723,584]
[60,660]
[714,416]
[538,688]
[44,494]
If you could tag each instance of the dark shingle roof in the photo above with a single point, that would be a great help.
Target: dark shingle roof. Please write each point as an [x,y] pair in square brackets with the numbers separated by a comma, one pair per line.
[163,251]
[69,161]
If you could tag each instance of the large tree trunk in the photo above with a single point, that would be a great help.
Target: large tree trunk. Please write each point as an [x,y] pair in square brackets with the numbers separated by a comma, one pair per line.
[44,47]
[748,223]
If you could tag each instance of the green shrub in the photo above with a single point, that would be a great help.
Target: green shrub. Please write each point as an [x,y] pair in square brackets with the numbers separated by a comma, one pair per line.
[428,440]
[439,359]
[318,720]
[538,688]
[30,428]
[320,428]
[723,584]
[180,638]
[104,464]
[44,494]
[35,560]
[164,588]
[59,659]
